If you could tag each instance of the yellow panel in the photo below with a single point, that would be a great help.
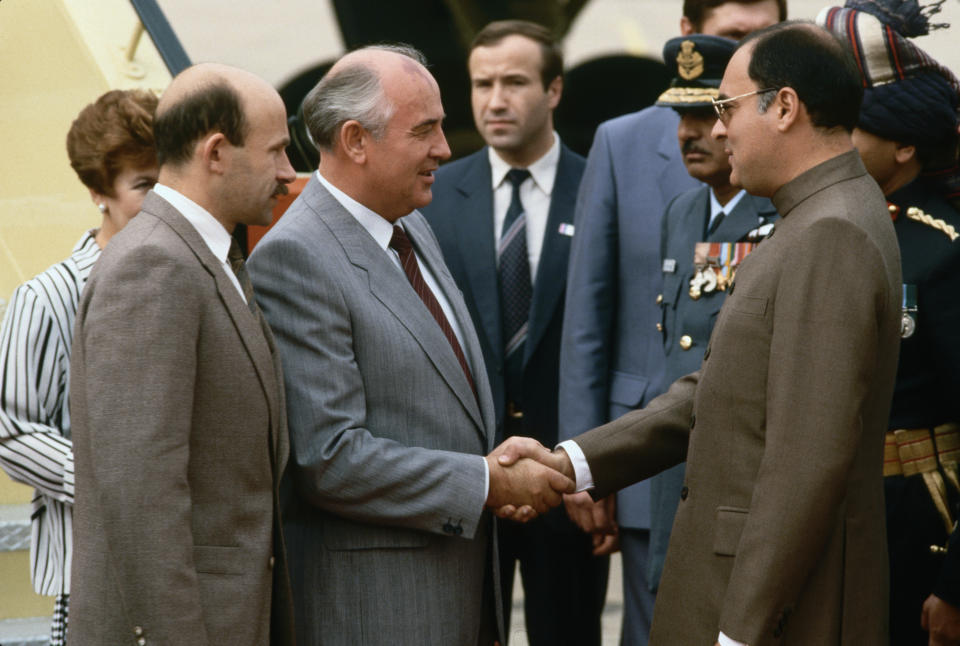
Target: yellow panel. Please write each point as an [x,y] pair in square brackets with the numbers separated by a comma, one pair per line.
[17,598]
[13,493]
[59,55]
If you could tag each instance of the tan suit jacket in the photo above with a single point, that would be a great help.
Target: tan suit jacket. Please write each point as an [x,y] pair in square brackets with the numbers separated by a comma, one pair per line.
[179,433]
[779,537]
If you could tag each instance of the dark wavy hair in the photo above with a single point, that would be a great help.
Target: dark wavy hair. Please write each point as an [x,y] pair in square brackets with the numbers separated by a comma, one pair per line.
[112,133]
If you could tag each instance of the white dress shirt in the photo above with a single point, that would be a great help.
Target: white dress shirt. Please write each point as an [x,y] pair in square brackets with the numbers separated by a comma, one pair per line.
[216,237]
[381,231]
[534,195]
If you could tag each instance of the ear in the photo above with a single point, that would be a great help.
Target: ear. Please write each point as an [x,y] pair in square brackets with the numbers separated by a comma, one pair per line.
[905,153]
[787,108]
[213,150]
[555,91]
[686,26]
[354,139]
[97,198]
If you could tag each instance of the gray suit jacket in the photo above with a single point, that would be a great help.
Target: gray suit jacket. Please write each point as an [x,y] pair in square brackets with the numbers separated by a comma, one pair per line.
[388,543]
[179,436]
[611,357]
[779,538]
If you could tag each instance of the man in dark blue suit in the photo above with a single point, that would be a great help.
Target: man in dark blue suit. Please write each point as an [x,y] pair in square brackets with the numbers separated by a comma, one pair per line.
[504,219]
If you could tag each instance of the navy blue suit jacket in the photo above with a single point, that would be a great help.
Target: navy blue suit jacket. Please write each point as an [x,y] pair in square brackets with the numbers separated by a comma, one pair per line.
[461,215]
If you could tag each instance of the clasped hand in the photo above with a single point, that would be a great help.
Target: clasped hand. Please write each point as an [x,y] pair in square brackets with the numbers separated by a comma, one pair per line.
[527,479]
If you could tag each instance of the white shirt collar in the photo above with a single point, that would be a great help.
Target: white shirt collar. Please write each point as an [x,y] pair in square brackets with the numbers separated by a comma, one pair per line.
[716,208]
[214,235]
[543,171]
[376,225]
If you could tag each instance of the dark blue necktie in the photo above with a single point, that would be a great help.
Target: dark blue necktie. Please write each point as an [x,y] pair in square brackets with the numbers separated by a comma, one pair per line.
[516,288]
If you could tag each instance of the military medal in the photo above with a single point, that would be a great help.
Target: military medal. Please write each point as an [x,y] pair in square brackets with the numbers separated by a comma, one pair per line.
[715,264]
[709,280]
[696,283]
[908,324]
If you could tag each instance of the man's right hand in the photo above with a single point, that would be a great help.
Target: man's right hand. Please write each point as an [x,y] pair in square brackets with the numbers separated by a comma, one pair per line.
[526,479]
[526,483]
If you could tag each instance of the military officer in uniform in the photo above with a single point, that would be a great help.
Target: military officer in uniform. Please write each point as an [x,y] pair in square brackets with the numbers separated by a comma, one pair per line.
[907,137]
[705,232]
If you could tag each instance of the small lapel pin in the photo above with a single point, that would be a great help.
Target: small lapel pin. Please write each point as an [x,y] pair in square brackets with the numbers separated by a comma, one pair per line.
[566,229]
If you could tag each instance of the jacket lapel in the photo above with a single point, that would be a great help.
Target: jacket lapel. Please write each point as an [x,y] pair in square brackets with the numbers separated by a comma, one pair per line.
[390,286]
[257,342]
[475,243]
[551,278]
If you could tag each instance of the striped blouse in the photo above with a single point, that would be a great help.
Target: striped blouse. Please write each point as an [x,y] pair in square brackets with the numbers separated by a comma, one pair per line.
[35,446]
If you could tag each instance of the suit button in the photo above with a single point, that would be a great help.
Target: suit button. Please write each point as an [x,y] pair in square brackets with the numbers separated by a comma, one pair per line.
[271,562]
[448,528]
[686,342]
[142,641]
[659,298]
[684,493]
[659,327]
[138,631]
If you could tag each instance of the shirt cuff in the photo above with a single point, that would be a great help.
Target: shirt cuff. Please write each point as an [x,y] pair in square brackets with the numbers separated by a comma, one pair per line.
[581,469]
[723,640]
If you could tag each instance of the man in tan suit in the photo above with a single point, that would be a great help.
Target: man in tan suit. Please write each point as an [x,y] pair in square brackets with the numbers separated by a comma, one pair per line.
[779,535]
[179,427]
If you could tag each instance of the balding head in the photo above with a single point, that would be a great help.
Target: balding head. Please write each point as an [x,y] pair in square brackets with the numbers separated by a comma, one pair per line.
[202,99]
[221,137]
[359,87]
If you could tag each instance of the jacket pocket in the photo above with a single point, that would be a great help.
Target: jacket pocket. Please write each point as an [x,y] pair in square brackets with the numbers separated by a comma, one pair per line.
[749,305]
[218,559]
[727,530]
[627,389]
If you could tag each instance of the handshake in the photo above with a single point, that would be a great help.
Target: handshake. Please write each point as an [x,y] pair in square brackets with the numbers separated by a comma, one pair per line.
[527,479]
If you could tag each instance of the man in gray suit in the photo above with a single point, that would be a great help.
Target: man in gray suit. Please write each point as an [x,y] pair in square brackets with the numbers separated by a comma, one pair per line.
[390,409]
[179,428]
[612,357]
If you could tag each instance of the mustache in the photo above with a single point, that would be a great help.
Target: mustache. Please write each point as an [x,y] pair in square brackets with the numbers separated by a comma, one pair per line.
[689,146]
[280,190]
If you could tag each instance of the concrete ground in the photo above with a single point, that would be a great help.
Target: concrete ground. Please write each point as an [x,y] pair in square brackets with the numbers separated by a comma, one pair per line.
[612,611]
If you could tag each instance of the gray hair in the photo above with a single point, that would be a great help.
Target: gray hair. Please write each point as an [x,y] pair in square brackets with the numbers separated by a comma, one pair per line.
[765,100]
[354,92]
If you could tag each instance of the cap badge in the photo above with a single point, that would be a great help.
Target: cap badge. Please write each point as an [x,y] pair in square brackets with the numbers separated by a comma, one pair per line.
[689,61]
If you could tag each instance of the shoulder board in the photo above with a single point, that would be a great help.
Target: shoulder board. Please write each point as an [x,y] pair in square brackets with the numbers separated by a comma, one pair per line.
[917,214]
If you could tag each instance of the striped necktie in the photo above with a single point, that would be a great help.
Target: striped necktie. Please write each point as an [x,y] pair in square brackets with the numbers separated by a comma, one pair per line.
[516,288]
[408,260]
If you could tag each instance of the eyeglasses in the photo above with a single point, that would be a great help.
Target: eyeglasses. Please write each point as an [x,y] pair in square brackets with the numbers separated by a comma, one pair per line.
[722,107]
